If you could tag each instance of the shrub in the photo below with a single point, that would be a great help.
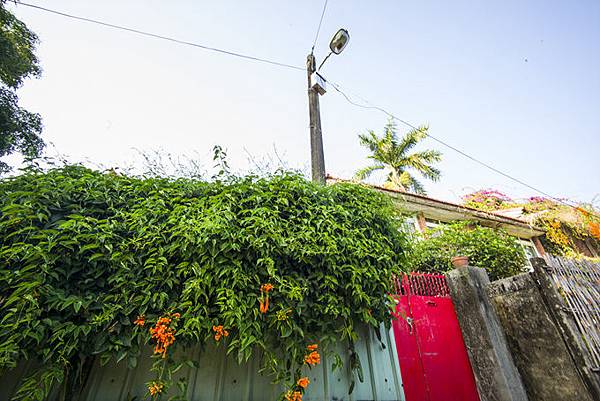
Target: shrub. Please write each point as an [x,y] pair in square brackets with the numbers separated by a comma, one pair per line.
[89,261]
[494,250]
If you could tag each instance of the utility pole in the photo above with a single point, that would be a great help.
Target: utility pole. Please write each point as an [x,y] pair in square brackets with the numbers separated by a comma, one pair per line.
[316,137]
[316,88]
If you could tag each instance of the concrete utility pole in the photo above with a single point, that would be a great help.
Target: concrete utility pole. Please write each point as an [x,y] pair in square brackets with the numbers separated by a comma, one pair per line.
[316,137]
[316,87]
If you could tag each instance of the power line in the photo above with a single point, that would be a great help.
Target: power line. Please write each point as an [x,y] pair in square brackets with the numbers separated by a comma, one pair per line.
[486,165]
[272,62]
[156,36]
[319,28]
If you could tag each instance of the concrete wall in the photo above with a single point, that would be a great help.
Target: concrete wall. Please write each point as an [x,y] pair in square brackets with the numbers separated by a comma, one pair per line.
[535,339]
[495,373]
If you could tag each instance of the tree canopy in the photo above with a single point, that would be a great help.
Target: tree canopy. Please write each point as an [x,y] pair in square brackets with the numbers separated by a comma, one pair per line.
[392,154]
[20,129]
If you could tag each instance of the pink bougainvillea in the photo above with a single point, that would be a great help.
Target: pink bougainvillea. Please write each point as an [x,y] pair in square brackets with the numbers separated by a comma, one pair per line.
[537,199]
[487,199]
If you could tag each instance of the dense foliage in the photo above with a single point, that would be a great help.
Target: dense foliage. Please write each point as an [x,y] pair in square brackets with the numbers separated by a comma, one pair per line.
[393,155]
[495,251]
[265,267]
[19,129]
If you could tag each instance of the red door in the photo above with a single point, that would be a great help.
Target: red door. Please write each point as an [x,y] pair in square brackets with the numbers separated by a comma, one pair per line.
[431,351]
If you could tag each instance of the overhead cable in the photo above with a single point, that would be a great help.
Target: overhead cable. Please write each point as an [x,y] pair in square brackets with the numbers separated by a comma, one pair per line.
[319,27]
[167,38]
[468,156]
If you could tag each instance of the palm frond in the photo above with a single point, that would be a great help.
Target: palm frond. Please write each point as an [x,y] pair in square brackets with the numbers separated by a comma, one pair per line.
[390,133]
[410,182]
[411,138]
[369,140]
[417,187]
[421,162]
[366,172]
[429,156]
[393,181]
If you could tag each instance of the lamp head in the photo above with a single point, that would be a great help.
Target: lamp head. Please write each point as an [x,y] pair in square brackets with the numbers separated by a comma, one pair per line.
[339,41]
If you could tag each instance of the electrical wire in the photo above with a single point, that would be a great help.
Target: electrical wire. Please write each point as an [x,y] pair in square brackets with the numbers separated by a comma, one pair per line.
[272,62]
[486,165]
[156,36]
[319,28]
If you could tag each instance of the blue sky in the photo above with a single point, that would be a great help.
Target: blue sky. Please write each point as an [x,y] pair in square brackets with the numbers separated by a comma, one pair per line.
[516,84]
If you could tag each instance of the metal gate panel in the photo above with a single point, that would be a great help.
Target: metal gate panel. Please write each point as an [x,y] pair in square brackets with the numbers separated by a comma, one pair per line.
[431,351]
[408,354]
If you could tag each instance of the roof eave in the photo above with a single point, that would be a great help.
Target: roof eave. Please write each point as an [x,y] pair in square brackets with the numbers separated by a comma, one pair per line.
[446,211]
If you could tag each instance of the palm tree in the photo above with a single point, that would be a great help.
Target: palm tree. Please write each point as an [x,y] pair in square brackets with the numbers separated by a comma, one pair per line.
[391,154]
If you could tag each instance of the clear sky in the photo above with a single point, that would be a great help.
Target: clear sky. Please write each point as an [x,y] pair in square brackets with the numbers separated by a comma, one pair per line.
[514,83]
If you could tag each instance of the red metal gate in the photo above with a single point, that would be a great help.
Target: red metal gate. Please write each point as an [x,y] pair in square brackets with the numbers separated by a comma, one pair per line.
[431,350]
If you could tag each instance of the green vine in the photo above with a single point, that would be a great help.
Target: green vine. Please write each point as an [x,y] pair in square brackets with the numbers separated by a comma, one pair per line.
[98,265]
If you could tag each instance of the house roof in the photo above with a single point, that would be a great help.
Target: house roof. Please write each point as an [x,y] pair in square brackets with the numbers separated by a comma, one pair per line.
[447,211]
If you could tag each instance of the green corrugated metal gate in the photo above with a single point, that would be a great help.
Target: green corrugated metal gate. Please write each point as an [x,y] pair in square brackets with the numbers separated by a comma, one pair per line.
[220,378]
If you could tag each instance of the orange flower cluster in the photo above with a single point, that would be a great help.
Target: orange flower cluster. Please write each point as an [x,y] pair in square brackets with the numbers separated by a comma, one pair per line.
[163,334]
[219,332]
[264,297]
[263,305]
[593,226]
[303,382]
[155,388]
[293,396]
[312,358]
[582,211]
[140,321]
[595,229]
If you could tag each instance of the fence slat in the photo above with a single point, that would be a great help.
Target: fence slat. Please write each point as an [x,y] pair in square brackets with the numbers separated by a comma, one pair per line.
[578,281]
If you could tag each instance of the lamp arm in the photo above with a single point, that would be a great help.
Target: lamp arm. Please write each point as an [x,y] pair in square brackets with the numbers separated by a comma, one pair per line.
[324,60]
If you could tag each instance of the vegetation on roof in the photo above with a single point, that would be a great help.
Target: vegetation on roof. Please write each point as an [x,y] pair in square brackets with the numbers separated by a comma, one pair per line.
[264,267]
[565,225]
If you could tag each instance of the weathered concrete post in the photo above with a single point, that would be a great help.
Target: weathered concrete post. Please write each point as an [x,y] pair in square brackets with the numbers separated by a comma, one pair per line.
[566,325]
[524,305]
[495,373]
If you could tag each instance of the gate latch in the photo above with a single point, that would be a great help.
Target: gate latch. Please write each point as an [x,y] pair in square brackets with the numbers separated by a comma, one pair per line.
[409,321]
[431,303]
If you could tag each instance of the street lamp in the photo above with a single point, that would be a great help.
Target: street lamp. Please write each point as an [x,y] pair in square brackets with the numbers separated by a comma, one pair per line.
[316,87]
[337,44]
